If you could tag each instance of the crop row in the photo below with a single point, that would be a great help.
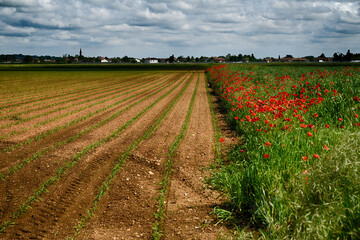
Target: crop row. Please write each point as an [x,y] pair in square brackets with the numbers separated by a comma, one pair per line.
[160,213]
[113,92]
[70,97]
[47,149]
[72,86]
[60,172]
[116,95]
[120,162]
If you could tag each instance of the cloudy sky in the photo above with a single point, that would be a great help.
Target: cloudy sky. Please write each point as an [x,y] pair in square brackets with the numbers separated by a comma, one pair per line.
[142,28]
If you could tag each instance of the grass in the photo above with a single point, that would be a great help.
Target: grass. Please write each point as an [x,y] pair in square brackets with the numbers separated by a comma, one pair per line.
[295,176]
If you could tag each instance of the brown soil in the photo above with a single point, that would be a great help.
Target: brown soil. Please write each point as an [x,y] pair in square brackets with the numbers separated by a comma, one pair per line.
[127,210]
[108,95]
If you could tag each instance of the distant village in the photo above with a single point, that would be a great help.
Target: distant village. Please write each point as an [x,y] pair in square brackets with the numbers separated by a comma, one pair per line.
[240,58]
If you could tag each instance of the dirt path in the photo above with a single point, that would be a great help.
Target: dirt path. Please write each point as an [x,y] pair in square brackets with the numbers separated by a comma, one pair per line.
[189,201]
[73,174]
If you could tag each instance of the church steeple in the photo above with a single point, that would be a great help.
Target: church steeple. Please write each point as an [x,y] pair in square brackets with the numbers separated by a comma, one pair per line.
[80,53]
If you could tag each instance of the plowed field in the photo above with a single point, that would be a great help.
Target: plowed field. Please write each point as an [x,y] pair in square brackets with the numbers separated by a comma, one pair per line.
[105,155]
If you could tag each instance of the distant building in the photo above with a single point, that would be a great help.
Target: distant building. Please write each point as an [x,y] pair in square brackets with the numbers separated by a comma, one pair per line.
[289,59]
[323,59]
[103,60]
[219,59]
[163,60]
[151,60]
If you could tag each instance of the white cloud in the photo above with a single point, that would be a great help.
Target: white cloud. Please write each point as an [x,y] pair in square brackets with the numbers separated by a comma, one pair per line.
[196,27]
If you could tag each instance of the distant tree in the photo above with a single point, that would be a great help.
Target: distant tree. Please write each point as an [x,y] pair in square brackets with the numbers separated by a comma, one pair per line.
[322,56]
[348,56]
[188,59]
[202,59]
[310,58]
[171,58]
[234,58]
[240,57]
[28,59]
[289,56]
[212,60]
[116,60]
[125,59]
[252,58]
[228,57]
[339,57]
[356,56]
[181,58]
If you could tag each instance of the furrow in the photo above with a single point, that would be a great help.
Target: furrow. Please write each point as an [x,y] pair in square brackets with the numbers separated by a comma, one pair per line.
[152,91]
[45,97]
[82,118]
[69,165]
[128,208]
[70,98]
[121,161]
[23,120]
[160,213]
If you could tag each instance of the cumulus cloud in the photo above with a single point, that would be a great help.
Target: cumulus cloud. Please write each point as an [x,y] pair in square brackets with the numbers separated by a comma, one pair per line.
[187,27]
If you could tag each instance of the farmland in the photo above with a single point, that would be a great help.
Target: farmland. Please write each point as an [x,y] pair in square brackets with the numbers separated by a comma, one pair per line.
[126,152]
[104,154]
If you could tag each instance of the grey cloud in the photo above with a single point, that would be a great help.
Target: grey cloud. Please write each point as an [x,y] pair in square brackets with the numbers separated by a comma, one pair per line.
[183,25]
[16,3]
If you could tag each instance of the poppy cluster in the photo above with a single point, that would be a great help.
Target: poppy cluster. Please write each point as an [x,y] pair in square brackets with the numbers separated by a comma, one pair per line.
[261,100]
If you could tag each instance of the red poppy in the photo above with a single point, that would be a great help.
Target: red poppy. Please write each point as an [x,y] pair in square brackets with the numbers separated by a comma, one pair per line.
[266,155]
[340,119]
[236,118]
[316,156]
[303,125]
[305,158]
[309,134]
[268,144]
[327,125]
[326,148]
[356,115]
[356,99]
[222,140]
